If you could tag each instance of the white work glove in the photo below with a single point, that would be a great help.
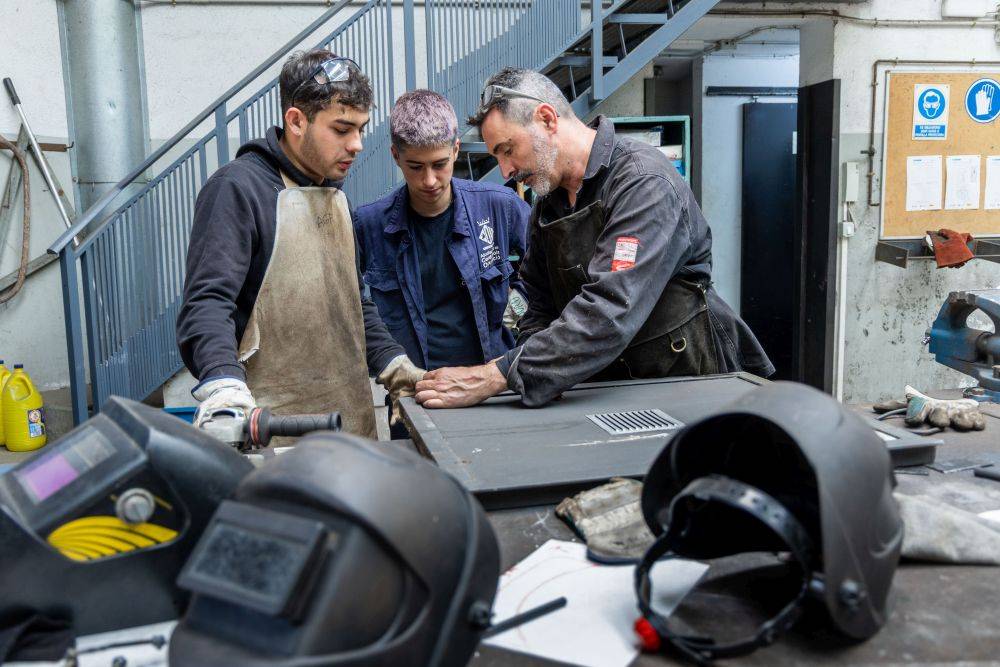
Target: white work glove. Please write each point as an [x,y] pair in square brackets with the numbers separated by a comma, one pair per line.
[517,306]
[400,379]
[962,414]
[221,393]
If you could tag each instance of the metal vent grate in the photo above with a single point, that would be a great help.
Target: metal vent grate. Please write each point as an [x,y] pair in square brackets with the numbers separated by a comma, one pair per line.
[635,421]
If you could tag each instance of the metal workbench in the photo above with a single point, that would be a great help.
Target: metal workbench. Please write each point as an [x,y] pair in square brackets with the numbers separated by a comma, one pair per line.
[938,613]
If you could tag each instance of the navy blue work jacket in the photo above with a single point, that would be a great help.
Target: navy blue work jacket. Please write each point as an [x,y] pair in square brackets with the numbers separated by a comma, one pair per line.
[490,226]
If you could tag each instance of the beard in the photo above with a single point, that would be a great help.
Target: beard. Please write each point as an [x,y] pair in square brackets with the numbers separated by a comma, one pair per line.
[545,161]
[312,156]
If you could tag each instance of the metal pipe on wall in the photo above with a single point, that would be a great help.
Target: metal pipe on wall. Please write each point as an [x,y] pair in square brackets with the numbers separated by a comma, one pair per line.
[988,21]
[101,58]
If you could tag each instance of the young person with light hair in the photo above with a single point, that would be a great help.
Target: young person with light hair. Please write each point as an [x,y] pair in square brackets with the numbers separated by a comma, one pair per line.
[436,252]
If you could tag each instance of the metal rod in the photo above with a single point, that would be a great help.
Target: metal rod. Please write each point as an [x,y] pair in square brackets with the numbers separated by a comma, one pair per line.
[39,158]
[521,619]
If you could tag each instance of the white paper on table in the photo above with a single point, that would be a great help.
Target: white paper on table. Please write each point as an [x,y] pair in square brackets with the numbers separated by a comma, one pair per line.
[923,183]
[992,515]
[962,188]
[991,201]
[595,628]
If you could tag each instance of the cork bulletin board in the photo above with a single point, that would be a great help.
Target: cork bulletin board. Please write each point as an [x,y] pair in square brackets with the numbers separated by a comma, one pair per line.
[956,134]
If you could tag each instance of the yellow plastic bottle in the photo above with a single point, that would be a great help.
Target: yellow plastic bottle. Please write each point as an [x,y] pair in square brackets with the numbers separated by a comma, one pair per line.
[4,374]
[22,412]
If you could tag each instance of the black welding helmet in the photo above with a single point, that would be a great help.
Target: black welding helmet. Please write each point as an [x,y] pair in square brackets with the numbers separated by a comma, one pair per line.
[784,469]
[341,551]
[95,527]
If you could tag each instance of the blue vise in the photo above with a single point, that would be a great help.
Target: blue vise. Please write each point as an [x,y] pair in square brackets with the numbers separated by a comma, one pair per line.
[974,352]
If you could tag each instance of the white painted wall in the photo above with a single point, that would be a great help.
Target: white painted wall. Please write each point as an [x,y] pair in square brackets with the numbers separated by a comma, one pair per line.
[888,309]
[31,325]
[721,132]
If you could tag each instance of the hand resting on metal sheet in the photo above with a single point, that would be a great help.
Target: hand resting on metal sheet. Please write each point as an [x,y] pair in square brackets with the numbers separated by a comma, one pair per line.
[461,386]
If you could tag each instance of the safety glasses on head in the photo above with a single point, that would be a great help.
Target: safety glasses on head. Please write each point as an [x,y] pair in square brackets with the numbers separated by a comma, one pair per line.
[493,94]
[332,70]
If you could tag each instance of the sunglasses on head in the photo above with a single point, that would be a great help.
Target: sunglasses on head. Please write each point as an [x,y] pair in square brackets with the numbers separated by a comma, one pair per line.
[332,70]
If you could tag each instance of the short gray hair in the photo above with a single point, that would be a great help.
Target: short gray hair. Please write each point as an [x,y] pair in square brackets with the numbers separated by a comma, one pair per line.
[521,110]
[422,119]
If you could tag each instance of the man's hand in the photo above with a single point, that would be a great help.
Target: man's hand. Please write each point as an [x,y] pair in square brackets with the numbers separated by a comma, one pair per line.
[399,378]
[221,393]
[461,386]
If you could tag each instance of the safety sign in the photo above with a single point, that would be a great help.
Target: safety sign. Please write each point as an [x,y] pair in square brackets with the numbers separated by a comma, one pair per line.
[930,111]
[982,101]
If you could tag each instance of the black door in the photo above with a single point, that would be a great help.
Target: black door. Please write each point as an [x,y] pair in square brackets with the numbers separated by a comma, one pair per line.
[767,273]
[817,189]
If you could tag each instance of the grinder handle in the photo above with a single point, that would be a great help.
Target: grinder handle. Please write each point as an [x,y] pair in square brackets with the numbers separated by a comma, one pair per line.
[296,425]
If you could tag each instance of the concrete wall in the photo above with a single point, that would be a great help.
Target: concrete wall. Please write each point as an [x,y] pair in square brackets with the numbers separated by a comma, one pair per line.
[721,140]
[888,309]
[31,325]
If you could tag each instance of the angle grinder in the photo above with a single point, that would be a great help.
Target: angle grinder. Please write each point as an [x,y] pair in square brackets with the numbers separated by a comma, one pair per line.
[95,527]
[250,430]
[975,352]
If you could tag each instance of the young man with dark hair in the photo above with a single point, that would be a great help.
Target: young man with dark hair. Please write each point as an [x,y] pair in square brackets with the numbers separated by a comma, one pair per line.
[273,314]
[436,251]
[618,273]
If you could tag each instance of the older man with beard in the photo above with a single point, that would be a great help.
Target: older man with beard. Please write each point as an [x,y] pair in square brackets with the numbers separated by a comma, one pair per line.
[618,268]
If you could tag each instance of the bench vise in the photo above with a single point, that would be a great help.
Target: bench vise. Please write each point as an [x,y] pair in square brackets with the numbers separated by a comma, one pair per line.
[975,352]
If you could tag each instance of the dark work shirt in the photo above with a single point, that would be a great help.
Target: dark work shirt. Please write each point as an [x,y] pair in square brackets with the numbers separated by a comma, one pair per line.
[645,199]
[452,337]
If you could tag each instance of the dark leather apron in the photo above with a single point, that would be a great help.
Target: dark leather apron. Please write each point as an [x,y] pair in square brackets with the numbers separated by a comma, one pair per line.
[676,338]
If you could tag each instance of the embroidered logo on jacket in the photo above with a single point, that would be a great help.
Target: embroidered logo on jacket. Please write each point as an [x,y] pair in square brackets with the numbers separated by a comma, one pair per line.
[489,254]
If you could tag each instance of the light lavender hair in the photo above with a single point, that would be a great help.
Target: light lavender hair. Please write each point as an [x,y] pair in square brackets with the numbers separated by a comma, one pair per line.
[422,119]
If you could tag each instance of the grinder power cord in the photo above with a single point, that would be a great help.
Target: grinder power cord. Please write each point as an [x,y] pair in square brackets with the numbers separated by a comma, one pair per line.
[785,470]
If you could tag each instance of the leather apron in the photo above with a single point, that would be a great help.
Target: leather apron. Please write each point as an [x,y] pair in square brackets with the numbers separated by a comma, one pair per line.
[304,345]
[676,338]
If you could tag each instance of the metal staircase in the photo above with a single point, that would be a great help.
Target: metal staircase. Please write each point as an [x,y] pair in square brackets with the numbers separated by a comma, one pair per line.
[123,260]
[628,34]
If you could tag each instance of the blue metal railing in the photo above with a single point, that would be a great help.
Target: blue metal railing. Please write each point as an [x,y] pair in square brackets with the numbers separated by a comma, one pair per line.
[129,269]
[465,47]
[130,266]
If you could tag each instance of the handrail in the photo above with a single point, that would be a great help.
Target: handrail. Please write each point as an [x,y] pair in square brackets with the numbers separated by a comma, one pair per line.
[95,211]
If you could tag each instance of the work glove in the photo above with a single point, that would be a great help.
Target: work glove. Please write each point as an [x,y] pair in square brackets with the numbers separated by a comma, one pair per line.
[221,393]
[517,306]
[400,379]
[961,413]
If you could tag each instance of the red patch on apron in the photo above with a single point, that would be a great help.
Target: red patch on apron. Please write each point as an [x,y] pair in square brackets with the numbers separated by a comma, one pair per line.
[626,248]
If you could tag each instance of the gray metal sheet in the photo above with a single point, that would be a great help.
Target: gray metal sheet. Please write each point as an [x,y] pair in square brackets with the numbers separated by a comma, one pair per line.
[510,456]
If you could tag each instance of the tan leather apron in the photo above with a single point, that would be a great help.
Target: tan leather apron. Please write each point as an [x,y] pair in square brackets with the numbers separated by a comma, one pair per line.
[304,346]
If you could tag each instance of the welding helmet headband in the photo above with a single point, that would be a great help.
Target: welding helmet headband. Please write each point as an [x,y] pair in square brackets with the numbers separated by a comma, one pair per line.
[755,522]
[825,467]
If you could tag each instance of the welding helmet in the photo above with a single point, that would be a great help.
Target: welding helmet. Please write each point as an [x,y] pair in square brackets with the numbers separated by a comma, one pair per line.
[785,469]
[341,551]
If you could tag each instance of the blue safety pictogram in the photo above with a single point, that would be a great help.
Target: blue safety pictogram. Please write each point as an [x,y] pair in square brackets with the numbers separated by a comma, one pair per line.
[982,101]
[931,103]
